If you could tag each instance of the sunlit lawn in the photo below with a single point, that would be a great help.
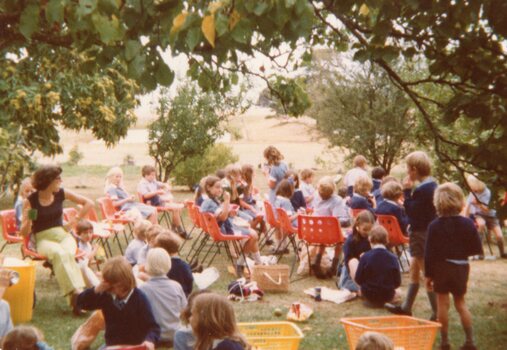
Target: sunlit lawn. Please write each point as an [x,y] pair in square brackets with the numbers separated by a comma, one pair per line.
[487,295]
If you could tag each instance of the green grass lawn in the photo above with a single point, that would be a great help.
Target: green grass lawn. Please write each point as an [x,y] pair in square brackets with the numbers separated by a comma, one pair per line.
[487,295]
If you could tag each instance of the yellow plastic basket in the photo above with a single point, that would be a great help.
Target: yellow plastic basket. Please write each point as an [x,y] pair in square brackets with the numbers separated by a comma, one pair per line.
[406,332]
[272,335]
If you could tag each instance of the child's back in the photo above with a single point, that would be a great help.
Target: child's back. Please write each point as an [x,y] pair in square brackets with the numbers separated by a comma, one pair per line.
[181,272]
[419,204]
[133,249]
[388,207]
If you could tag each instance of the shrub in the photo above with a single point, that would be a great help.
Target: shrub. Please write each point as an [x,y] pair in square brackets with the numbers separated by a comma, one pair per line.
[190,171]
[75,156]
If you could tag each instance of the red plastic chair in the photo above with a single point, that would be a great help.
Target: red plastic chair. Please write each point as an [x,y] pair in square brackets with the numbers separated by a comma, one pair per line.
[165,210]
[272,221]
[113,216]
[396,238]
[289,232]
[9,229]
[320,231]
[221,240]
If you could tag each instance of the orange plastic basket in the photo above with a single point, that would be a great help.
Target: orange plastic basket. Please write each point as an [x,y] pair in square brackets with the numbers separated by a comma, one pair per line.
[272,335]
[406,332]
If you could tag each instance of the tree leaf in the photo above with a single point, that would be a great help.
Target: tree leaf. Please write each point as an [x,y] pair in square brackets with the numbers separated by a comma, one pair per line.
[178,21]
[242,32]
[165,75]
[193,38]
[86,7]
[234,19]
[132,48]
[208,29]
[108,29]
[221,24]
[260,8]
[29,21]
[55,10]
[364,10]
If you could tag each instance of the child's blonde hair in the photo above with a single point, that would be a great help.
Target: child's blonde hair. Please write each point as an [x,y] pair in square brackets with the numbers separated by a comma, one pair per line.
[215,319]
[448,199]
[112,172]
[363,185]
[306,174]
[153,231]
[232,170]
[391,190]
[22,338]
[158,262]
[420,162]
[359,161]
[378,235]
[326,187]
[27,181]
[140,229]
[118,270]
[273,155]
[475,184]
[374,341]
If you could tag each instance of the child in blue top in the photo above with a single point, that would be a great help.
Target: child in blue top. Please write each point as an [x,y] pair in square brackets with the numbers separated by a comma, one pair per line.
[127,312]
[377,174]
[297,199]
[355,245]
[361,199]
[139,241]
[276,170]
[378,272]
[214,324]
[283,195]
[309,192]
[392,192]
[477,208]
[451,240]
[421,211]
[221,211]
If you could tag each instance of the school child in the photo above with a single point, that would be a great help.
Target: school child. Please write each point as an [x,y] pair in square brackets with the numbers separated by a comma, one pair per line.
[25,189]
[351,176]
[84,232]
[247,200]
[151,234]
[392,192]
[477,208]
[327,203]
[297,199]
[180,271]
[374,341]
[158,194]
[361,198]
[378,271]
[284,193]
[24,338]
[377,174]
[200,194]
[355,245]
[221,211]
[451,240]
[421,211]
[184,338]
[139,241]
[275,170]
[127,312]
[214,325]
[307,177]
[166,296]
[377,194]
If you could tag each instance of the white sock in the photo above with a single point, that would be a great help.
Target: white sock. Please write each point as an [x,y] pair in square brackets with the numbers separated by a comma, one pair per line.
[241,261]
[257,258]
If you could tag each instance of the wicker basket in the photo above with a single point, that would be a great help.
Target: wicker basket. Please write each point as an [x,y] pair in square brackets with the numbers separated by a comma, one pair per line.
[272,335]
[272,278]
[406,332]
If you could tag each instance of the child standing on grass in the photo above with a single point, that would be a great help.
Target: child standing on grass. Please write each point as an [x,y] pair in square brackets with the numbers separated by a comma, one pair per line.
[392,192]
[451,240]
[84,231]
[351,176]
[139,241]
[180,271]
[421,211]
[307,177]
[477,208]
[275,171]
[378,272]
[355,245]
[214,324]
[127,312]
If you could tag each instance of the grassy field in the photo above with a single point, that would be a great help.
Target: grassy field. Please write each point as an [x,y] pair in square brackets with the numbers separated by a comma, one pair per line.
[487,296]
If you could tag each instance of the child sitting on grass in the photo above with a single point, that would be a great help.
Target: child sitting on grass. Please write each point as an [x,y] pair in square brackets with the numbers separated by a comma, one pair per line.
[24,338]
[166,296]
[355,245]
[127,312]
[392,192]
[139,241]
[378,272]
[451,240]
[214,324]
[184,338]
[84,231]
[180,271]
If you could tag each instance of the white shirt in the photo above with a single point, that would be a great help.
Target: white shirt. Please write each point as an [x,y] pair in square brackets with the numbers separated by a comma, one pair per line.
[352,175]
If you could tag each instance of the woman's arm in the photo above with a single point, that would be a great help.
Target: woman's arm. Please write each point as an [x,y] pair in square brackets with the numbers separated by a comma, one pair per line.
[85,202]
[26,223]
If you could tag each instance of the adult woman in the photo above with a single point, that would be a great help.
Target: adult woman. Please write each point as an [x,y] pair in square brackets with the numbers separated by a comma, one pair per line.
[122,199]
[42,216]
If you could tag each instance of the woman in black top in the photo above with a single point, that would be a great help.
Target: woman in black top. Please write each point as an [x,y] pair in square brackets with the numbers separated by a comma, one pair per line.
[42,216]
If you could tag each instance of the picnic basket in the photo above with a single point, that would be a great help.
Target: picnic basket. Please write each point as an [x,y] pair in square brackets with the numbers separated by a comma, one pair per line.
[272,278]
[406,332]
[272,335]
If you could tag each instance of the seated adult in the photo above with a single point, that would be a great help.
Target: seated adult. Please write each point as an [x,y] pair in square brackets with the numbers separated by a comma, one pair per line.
[42,216]
[122,199]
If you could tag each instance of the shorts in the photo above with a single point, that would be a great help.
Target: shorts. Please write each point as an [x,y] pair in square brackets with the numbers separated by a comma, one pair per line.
[451,278]
[416,243]
[491,221]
